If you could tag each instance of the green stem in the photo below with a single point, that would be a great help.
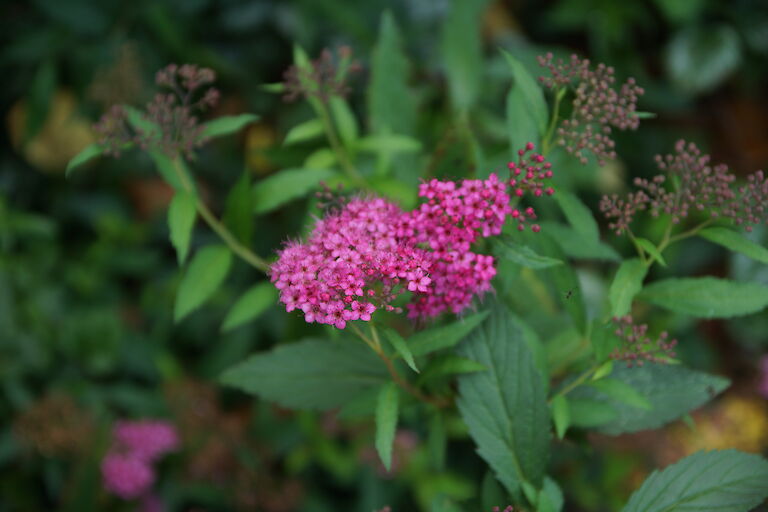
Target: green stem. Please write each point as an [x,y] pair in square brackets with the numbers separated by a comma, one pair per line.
[581,379]
[547,141]
[220,229]
[321,109]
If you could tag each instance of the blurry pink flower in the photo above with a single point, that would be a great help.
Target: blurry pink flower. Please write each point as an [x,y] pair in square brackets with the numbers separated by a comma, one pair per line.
[126,476]
[147,439]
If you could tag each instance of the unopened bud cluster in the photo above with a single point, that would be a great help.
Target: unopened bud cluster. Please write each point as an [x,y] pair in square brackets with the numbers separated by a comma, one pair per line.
[598,106]
[697,186]
[171,117]
[322,78]
[637,347]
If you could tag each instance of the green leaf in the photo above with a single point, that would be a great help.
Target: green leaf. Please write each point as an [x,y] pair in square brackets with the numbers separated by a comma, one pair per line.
[388,144]
[38,99]
[603,339]
[444,504]
[578,214]
[250,305]
[604,370]
[576,246]
[702,56]
[323,158]
[726,480]
[734,241]
[622,392]
[590,413]
[308,130]
[345,120]
[141,124]
[505,407]
[88,153]
[274,88]
[672,391]
[437,338]
[561,415]
[238,209]
[226,125]
[206,272]
[181,220]
[386,422]
[491,493]
[651,249]
[461,50]
[437,441]
[627,283]
[310,374]
[564,278]
[167,168]
[287,185]
[551,497]
[392,105]
[523,255]
[401,346]
[525,107]
[449,364]
[707,297]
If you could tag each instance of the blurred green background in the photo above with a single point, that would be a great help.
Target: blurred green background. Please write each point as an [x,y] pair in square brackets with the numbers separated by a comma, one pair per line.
[87,276]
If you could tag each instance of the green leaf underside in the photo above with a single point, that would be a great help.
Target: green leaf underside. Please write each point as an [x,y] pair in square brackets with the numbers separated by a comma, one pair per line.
[524,255]
[310,374]
[505,407]
[672,391]
[526,109]
[308,130]
[250,305]
[625,285]
[437,338]
[227,124]
[386,422]
[707,297]
[181,219]
[734,241]
[206,272]
[401,347]
[726,480]
[287,185]
[88,153]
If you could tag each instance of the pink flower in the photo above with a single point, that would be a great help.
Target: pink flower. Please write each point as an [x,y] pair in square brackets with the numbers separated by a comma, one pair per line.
[126,475]
[146,440]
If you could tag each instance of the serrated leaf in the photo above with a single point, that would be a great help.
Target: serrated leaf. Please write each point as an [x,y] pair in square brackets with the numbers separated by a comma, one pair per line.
[226,125]
[651,249]
[345,120]
[576,246]
[561,415]
[523,255]
[308,130]
[181,220]
[707,297]
[627,283]
[287,185]
[437,338]
[391,103]
[526,108]
[401,346]
[734,241]
[88,153]
[388,144]
[721,481]
[386,422]
[461,50]
[207,270]
[622,392]
[578,214]
[310,374]
[505,407]
[250,305]
[673,391]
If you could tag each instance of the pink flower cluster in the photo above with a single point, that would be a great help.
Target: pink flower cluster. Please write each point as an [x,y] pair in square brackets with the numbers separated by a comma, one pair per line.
[127,468]
[360,257]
